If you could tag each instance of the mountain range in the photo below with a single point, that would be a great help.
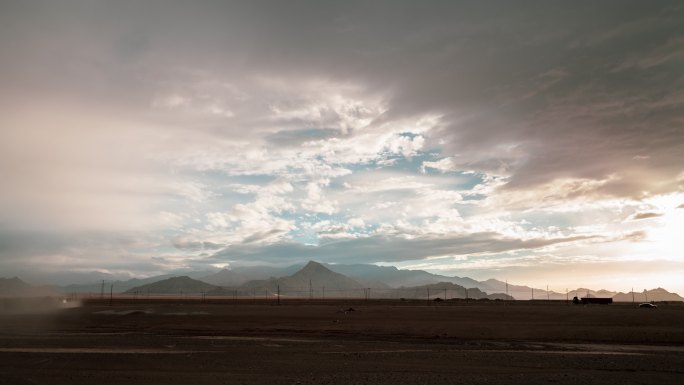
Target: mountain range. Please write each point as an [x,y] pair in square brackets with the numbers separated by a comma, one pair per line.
[328,280]
[314,280]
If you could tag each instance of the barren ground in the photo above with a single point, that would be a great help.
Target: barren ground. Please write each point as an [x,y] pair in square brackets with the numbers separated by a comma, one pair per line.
[382,342]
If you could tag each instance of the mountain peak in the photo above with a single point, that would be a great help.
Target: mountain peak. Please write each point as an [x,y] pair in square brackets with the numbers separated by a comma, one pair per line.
[314,266]
[317,274]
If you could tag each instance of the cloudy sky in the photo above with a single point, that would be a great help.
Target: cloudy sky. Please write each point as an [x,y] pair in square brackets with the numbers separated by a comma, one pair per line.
[539,142]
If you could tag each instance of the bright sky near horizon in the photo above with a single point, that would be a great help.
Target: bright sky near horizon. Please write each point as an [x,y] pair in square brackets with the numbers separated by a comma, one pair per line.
[534,141]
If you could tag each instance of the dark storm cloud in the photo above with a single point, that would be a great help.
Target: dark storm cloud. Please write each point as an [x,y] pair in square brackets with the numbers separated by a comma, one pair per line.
[545,90]
[382,249]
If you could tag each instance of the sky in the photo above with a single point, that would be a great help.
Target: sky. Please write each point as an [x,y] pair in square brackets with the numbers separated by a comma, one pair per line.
[538,142]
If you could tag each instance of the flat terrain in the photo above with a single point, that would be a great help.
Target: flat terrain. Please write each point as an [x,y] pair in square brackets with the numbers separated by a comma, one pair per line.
[382,342]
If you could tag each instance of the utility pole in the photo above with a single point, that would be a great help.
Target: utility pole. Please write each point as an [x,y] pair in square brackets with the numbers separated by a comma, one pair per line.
[278,294]
[548,299]
[506,290]
[111,290]
[632,296]
[102,290]
[323,293]
[428,290]
[466,291]
[532,294]
[310,291]
[445,294]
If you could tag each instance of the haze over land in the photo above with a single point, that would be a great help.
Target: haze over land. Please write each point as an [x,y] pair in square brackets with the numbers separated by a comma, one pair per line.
[318,281]
[536,142]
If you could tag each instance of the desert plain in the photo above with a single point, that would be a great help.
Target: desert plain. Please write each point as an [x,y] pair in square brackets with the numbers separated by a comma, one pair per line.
[197,341]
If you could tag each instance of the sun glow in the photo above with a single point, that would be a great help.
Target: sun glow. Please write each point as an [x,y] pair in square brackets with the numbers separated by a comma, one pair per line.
[666,238]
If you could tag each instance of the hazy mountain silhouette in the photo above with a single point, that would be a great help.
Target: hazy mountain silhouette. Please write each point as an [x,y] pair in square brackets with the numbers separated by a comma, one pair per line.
[521,292]
[15,287]
[116,286]
[225,277]
[658,294]
[394,277]
[240,275]
[174,285]
[337,279]
[442,290]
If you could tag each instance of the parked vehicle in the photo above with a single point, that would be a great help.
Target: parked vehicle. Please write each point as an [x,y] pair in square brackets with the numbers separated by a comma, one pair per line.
[648,305]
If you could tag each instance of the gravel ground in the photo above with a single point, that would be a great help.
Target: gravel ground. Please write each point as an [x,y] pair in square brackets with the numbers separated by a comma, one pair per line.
[195,343]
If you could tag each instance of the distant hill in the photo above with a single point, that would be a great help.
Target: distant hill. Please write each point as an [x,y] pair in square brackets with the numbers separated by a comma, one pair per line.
[520,292]
[393,277]
[313,276]
[117,286]
[121,286]
[174,285]
[225,277]
[318,280]
[239,275]
[657,295]
[444,290]
[15,287]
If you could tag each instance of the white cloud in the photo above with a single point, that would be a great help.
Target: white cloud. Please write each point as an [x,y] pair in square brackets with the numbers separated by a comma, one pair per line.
[195,192]
[443,165]
[316,201]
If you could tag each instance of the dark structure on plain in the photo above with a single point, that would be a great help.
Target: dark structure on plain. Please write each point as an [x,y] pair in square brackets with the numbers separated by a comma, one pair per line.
[593,301]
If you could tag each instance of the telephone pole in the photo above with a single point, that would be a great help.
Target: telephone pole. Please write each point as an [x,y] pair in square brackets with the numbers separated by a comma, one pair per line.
[548,299]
